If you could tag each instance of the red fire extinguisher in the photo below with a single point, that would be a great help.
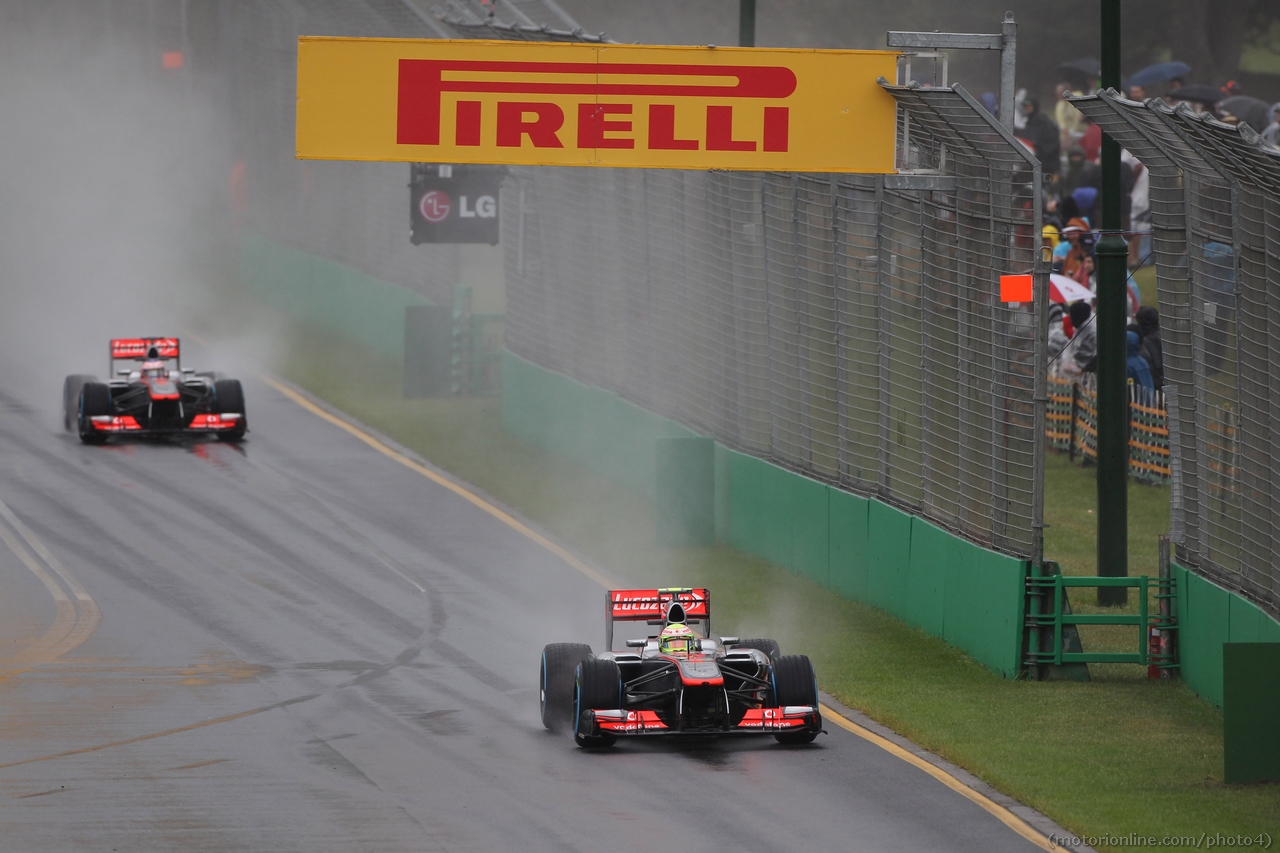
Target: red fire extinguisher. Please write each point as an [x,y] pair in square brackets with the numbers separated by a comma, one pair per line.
[1153,651]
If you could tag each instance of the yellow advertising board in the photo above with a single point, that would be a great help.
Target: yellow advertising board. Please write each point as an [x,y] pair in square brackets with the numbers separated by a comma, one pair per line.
[545,103]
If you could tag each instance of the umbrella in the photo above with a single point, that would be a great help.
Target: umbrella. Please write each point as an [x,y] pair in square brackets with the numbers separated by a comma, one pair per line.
[1161,72]
[1064,289]
[1085,69]
[1254,112]
[1196,93]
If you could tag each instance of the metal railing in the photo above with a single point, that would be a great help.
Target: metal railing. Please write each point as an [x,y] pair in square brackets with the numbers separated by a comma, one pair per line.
[1215,203]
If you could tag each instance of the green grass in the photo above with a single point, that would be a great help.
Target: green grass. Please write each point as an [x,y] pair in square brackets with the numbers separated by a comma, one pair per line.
[1117,755]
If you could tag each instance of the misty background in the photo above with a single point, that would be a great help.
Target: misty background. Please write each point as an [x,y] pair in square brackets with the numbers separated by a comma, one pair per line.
[122,209]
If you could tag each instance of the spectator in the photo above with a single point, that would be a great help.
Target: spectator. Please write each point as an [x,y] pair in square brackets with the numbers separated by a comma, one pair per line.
[1086,199]
[1074,253]
[1272,132]
[1086,339]
[1136,368]
[1137,93]
[991,102]
[1058,339]
[1152,348]
[1088,274]
[1091,142]
[1042,133]
[1139,213]
[1071,121]
[1079,172]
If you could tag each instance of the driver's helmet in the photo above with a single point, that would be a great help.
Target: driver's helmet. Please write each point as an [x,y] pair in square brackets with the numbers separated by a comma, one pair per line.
[676,639]
[154,369]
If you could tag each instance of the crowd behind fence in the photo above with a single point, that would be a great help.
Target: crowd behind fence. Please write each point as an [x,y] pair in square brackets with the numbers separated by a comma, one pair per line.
[1215,204]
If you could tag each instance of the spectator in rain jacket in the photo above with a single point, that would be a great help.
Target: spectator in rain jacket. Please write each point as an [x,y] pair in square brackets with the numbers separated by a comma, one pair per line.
[1152,348]
[1136,367]
[1042,133]
[1086,339]
[1058,338]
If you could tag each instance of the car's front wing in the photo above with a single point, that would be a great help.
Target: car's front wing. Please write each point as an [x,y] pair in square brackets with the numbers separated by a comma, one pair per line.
[757,721]
[128,424]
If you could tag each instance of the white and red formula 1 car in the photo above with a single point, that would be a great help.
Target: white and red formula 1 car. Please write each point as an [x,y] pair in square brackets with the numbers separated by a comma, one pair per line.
[152,395]
[714,686]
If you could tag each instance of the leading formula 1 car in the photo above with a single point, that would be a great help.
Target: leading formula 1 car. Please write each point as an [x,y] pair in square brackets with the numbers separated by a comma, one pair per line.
[152,395]
[683,680]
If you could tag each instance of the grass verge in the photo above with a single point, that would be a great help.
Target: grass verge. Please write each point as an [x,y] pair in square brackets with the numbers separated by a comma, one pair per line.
[1115,756]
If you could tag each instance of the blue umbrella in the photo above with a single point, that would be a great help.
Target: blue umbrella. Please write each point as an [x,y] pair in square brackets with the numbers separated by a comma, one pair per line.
[1161,72]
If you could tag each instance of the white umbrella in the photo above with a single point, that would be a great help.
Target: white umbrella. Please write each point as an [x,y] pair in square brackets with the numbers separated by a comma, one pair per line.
[1067,290]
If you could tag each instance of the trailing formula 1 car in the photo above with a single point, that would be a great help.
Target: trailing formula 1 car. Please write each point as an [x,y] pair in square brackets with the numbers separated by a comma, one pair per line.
[152,395]
[682,680]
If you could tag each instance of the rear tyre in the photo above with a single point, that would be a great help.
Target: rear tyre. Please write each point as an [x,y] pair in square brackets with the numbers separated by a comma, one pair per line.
[795,684]
[555,683]
[95,400]
[228,398]
[71,399]
[598,684]
[769,647]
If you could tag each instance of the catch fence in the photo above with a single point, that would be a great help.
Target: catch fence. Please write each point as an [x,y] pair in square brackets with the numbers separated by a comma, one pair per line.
[846,327]
[1215,203]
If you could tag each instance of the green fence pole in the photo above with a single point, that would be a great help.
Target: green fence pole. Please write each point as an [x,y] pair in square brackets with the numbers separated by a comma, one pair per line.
[1113,408]
[746,23]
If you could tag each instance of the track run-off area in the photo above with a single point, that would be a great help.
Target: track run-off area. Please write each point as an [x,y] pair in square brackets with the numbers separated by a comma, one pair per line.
[311,641]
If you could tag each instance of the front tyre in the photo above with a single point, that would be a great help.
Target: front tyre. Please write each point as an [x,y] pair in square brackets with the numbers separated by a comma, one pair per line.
[71,399]
[95,401]
[795,684]
[597,684]
[555,683]
[228,399]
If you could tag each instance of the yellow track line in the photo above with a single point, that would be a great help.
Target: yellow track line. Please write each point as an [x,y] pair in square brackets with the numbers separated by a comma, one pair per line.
[1001,813]
[471,497]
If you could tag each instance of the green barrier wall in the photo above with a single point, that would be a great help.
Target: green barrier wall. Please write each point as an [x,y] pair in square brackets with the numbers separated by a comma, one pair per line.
[322,293]
[861,548]
[1209,616]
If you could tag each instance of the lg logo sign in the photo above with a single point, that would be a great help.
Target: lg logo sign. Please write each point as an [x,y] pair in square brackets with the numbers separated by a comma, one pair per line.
[450,203]
[436,206]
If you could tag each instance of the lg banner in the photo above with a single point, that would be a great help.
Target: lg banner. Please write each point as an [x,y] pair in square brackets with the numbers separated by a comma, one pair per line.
[552,103]
[454,204]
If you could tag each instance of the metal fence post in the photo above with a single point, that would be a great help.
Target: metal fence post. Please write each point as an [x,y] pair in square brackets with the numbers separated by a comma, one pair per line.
[882,343]
[1008,65]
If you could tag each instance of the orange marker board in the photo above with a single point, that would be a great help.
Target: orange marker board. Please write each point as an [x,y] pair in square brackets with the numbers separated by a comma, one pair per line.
[547,103]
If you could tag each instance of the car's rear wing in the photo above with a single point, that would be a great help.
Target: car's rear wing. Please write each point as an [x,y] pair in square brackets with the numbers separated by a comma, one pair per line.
[136,349]
[653,606]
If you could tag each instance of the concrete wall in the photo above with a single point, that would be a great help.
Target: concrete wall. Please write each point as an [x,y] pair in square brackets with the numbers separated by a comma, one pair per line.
[1209,616]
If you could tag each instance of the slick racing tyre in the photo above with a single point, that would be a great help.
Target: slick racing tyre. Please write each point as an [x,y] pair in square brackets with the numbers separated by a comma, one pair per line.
[555,683]
[769,647]
[95,400]
[71,399]
[228,398]
[597,684]
[795,684]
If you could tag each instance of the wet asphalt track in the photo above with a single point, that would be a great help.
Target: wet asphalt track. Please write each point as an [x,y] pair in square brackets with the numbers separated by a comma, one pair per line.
[304,645]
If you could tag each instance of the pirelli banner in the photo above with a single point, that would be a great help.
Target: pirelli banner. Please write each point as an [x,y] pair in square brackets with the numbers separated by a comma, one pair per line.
[554,104]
